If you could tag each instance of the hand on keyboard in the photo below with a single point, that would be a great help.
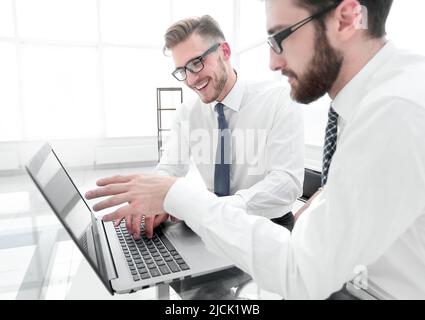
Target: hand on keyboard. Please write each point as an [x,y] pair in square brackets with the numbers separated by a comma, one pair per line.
[151,222]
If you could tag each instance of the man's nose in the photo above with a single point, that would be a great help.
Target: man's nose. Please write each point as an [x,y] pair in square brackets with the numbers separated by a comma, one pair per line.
[191,78]
[277,61]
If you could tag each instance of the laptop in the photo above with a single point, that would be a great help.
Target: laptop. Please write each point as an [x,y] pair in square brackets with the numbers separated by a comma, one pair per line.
[122,264]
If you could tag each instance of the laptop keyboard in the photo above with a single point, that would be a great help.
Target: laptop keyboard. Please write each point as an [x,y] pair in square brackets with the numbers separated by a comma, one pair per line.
[148,258]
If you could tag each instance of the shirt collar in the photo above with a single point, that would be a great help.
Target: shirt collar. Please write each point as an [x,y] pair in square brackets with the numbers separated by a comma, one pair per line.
[233,99]
[348,98]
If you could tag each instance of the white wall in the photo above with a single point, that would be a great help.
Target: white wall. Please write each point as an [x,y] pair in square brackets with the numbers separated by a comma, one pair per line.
[81,153]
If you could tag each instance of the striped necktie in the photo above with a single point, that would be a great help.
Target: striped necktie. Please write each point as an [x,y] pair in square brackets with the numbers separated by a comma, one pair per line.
[330,143]
[222,164]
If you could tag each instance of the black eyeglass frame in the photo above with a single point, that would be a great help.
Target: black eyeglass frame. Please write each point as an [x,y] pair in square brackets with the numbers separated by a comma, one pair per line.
[276,39]
[198,59]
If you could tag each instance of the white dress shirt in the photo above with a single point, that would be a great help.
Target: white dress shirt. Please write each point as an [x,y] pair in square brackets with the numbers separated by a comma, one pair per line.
[371,212]
[267,169]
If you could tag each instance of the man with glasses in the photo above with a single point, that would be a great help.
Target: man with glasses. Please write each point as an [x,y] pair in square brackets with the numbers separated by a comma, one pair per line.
[245,138]
[370,214]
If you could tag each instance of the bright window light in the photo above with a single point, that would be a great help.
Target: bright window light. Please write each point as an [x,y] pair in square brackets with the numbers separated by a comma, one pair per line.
[252,27]
[131,79]
[10,124]
[76,81]
[220,10]
[406,24]
[60,92]
[260,69]
[134,21]
[6,19]
[64,20]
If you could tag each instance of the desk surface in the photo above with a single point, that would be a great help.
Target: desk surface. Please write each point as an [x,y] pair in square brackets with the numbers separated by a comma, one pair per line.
[228,284]
[39,261]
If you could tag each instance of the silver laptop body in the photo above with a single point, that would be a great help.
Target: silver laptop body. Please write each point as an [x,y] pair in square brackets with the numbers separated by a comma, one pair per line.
[107,248]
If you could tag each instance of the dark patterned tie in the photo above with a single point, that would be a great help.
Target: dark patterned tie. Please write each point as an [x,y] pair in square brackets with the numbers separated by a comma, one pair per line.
[330,143]
[222,164]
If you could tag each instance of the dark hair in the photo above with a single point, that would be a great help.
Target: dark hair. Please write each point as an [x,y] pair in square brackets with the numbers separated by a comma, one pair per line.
[377,11]
[205,26]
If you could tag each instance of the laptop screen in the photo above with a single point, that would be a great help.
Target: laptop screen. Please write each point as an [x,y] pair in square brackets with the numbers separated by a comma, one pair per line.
[66,201]
[64,198]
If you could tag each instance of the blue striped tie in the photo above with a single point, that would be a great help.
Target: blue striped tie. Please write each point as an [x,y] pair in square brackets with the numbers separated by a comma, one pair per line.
[330,143]
[222,164]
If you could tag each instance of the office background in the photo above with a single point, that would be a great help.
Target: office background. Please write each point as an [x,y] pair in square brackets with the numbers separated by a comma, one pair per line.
[83,74]
[86,71]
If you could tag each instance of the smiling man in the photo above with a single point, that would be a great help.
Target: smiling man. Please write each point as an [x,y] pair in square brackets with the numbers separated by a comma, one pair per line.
[246,138]
[370,215]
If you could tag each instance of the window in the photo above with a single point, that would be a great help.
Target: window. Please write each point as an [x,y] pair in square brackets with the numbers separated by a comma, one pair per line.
[63,20]
[131,78]
[252,23]
[220,10]
[134,21]
[91,67]
[6,19]
[10,124]
[260,69]
[251,41]
[60,92]
[405,25]
[81,68]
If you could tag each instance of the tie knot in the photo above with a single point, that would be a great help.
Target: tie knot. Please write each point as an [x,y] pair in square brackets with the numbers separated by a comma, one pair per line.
[219,108]
[332,115]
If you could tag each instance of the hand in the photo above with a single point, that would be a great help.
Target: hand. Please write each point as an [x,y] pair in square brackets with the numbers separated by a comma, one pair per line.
[144,194]
[307,204]
[133,224]
[151,222]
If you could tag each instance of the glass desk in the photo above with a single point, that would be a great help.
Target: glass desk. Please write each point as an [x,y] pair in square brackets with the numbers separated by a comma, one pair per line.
[38,258]
[229,284]
[40,261]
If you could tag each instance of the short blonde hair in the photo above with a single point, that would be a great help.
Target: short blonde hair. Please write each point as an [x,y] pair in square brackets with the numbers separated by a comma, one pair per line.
[205,26]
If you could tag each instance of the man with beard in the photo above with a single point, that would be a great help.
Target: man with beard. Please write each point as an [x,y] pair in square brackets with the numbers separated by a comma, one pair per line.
[370,213]
[261,168]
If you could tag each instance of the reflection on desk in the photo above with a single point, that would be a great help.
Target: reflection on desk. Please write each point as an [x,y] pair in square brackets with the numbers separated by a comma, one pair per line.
[87,286]
[39,261]
[229,284]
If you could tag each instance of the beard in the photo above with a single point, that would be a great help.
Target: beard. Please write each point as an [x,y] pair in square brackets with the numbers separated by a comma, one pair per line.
[321,73]
[219,81]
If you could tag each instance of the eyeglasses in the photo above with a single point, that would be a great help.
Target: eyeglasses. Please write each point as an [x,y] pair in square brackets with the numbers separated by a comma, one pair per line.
[194,66]
[275,40]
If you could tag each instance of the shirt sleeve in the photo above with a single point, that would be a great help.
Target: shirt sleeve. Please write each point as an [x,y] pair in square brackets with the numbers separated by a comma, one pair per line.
[275,195]
[175,158]
[364,208]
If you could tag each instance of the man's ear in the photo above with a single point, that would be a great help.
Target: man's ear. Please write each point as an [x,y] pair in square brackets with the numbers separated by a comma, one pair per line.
[227,52]
[349,16]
